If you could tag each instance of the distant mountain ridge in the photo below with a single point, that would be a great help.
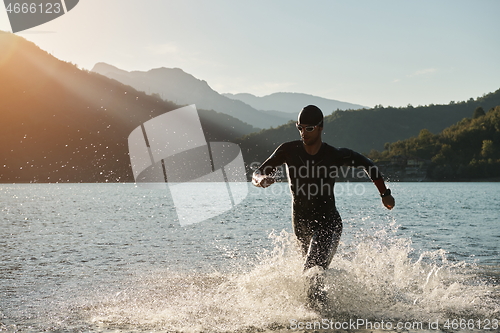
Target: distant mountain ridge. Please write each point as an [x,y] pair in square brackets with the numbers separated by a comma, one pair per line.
[62,124]
[181,88]
[291,102]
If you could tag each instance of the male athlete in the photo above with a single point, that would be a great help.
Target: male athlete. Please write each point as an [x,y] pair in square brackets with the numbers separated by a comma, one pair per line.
[312,167]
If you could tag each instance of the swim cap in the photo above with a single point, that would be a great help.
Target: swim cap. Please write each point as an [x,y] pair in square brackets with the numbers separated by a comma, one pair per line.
[311,115]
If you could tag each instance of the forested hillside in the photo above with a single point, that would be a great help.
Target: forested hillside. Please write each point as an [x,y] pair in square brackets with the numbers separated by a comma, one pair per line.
[469,149]
[368,129]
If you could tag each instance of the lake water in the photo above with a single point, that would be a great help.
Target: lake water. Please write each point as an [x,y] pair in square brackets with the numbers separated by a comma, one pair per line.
[113,258]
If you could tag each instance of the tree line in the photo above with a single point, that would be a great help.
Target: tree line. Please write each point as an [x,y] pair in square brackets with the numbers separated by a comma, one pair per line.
[467,150]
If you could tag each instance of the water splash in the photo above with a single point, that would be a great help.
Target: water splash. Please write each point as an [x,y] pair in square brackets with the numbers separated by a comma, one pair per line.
[373,278]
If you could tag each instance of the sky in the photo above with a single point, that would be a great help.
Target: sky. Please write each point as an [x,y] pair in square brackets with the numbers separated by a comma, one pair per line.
[367,52]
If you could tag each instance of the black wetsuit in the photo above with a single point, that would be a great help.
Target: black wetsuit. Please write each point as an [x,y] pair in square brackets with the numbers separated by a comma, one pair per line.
[316,221]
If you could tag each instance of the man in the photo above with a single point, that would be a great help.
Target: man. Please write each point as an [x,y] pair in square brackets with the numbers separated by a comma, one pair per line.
[312,167]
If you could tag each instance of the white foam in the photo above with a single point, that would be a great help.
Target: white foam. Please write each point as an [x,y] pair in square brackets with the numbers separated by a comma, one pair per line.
[370,279]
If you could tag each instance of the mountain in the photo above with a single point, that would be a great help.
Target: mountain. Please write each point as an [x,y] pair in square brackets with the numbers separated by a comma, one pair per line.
[368,129]
[292,102]
[62,124]
[175,85]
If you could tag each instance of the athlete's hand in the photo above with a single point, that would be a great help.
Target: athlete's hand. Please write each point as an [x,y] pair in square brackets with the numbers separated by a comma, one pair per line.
[262,180]
[389,201]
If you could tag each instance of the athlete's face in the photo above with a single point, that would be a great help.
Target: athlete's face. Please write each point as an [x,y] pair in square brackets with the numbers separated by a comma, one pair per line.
[309,137]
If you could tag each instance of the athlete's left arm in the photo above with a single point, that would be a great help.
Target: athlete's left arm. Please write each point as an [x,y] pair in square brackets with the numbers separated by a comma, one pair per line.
[357,160]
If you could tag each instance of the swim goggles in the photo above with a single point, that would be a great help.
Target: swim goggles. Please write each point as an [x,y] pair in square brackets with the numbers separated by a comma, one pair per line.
[307,128]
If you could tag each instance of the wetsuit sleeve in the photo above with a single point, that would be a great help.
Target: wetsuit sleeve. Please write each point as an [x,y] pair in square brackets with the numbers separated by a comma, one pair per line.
[275,160]
[354,159]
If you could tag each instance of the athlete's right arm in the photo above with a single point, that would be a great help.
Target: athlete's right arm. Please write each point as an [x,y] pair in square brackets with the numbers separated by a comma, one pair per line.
[260,180]
[262,177]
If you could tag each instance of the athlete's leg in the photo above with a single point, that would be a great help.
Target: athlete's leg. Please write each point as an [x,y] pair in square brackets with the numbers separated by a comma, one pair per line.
[322,247]
[302,231]
[304,241]
[323,243]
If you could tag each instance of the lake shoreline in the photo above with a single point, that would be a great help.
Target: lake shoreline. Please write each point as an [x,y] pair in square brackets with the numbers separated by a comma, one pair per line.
[388,179]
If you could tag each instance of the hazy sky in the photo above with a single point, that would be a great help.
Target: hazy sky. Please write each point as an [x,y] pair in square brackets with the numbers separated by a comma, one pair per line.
[367,52]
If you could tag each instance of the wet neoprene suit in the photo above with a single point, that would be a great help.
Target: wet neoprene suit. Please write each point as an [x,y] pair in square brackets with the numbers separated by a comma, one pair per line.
[316,221]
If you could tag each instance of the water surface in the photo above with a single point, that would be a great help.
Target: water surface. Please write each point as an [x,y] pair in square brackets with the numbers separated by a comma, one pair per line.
[113,257]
